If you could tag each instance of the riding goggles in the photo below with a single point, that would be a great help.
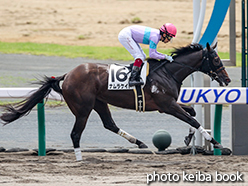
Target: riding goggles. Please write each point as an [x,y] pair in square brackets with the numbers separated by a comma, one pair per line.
[169,37]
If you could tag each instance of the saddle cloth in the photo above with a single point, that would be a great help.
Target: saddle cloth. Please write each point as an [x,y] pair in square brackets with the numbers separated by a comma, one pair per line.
[119,76]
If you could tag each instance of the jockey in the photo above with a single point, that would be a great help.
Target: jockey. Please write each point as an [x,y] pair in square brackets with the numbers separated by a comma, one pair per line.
[131,36]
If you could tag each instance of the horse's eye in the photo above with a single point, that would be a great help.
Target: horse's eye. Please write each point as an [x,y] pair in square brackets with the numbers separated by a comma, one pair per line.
[216,60]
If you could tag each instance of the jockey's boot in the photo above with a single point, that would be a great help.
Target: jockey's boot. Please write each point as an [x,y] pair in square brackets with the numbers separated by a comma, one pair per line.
[135,77]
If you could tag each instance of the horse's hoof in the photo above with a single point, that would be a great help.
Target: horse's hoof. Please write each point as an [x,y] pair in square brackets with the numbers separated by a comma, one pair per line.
[187,140]
[218,146]
[143,146]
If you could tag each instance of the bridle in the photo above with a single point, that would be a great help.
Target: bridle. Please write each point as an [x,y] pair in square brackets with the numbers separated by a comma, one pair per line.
[208,67]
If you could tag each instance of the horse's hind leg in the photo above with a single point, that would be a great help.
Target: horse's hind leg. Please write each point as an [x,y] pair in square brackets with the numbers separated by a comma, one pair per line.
[76,133]
[102,109]
[81,110]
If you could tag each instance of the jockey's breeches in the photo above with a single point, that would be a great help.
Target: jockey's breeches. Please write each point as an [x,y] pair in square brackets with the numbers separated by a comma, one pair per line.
[125,38]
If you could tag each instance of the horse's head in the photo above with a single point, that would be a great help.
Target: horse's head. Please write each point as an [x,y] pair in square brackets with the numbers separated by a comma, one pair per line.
[213,66]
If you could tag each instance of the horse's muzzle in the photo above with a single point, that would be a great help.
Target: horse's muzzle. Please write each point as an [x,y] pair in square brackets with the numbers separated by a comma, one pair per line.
[223,78]
[227,81]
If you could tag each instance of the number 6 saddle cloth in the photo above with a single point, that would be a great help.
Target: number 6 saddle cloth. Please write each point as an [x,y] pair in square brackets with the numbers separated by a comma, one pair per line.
[119,77]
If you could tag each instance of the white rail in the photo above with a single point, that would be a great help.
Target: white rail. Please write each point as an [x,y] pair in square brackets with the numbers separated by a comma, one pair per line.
[24,92]
[188,95]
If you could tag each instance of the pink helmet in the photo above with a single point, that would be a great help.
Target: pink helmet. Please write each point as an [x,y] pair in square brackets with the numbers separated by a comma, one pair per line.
[169,29]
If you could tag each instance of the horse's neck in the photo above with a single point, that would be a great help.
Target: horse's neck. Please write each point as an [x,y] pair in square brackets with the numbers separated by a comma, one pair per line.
[188,65]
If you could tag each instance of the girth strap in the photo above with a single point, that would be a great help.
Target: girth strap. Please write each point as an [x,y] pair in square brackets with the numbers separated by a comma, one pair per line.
[139,99]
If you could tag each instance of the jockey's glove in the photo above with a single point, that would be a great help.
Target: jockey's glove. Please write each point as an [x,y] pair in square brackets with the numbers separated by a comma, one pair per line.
[169,58]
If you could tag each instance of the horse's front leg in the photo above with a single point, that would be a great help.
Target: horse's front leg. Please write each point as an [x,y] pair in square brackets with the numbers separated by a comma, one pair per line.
[188,138]
[177,111]
[188,109]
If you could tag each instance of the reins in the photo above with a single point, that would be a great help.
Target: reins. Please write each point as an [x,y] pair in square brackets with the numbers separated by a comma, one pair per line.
[205,67]
[161,64]
[169,72]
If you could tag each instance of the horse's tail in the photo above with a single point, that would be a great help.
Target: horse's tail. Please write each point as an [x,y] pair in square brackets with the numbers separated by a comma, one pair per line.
[17,110]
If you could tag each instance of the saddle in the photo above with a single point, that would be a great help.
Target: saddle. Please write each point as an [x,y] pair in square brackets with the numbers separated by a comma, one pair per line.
[118,80]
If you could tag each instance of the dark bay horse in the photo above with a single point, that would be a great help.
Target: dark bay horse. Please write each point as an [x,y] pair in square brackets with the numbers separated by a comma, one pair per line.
[85,89]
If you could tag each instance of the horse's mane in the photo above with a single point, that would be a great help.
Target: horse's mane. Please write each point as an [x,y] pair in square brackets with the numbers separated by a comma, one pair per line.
[176,53]
[186,50]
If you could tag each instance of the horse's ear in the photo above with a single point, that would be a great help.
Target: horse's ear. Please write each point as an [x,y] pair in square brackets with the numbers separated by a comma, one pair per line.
[208,46]
[215,45]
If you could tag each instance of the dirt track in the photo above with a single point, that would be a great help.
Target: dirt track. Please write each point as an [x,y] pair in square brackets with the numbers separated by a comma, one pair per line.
[60,168]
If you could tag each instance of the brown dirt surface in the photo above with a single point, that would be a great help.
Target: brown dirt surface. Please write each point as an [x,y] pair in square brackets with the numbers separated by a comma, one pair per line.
[60,168]
[98,22]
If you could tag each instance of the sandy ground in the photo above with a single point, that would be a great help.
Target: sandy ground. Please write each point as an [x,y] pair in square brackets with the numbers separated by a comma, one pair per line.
[98,22]
[106,168]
